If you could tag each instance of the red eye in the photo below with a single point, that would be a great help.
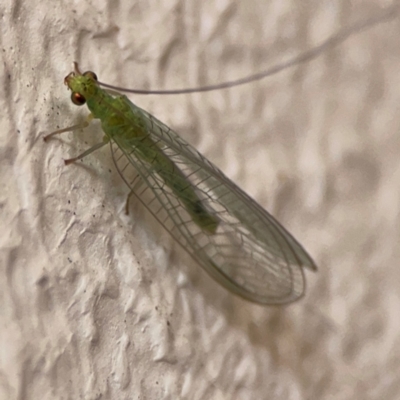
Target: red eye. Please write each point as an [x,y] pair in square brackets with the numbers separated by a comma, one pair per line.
[78,99]
[90,74]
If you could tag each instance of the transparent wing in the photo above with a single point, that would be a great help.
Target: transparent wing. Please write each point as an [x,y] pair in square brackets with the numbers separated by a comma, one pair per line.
[250,253]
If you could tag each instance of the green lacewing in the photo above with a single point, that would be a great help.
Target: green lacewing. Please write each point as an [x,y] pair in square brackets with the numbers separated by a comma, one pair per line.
[225,231]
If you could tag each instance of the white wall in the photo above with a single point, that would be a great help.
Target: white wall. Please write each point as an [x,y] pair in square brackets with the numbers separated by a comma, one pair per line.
[95,305]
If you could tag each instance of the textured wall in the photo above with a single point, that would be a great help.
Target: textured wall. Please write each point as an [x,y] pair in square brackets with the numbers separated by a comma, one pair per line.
[95,305]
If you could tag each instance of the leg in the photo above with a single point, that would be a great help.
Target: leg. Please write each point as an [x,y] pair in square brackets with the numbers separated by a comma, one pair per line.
[127,202]
[85,153]
[70,128]
[136,185]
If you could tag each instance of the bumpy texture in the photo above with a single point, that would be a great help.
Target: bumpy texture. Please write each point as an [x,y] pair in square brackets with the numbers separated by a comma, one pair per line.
[95,304]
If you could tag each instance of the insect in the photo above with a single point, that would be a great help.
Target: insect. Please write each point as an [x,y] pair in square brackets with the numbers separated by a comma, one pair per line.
[225,231]
[232,237]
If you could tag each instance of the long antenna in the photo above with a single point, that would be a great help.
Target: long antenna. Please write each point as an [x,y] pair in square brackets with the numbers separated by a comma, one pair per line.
[389,14]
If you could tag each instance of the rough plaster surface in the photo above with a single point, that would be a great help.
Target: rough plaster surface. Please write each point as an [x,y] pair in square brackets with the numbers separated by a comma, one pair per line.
[95,305]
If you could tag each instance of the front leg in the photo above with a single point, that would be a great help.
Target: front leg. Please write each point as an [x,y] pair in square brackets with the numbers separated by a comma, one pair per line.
[82,125]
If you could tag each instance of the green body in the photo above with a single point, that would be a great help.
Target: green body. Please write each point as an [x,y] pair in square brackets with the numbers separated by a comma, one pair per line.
[126,124]
[224,230]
